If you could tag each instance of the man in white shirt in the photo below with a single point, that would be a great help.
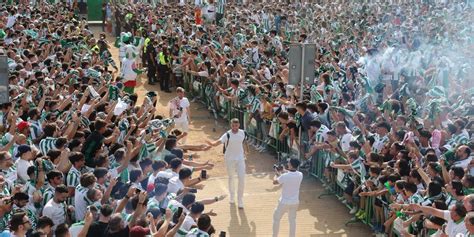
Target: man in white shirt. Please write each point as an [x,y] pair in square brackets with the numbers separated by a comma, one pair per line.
[290,192]
[454,218]
[179,110]
[25,154]
[56,207]
[234,156]
[183,180]
[345,137]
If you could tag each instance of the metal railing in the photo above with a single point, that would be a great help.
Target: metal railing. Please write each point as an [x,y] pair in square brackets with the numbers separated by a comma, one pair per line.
[334,180]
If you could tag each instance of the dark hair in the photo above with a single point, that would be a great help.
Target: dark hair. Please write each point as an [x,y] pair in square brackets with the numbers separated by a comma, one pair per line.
[145,162]
[460,210]
[17,220]
[134,175]
[197,208]
[44,221]
[185,173]
[315,123]
[410,187]
[434,188]
[175,163]
[60,142]
[301,105]
[76,157]
[283,115]
[106,210]
[204,222]
[87,179]
[188,199]
[295,163]
[20,196]
[158,164]
[61,230]
[170,143]
[61,189]
[458,171]
[53,174]
[99,124]
[100,172]
[457,187]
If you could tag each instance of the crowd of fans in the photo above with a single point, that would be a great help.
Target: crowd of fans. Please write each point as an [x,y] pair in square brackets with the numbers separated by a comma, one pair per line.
[390,104]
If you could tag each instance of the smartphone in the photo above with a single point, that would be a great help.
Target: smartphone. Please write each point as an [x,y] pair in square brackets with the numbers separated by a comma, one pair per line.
[222,234]
[137,191]
[179,212]
[203,174]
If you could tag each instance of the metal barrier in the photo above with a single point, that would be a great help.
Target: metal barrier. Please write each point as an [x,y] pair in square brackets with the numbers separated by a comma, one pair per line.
[334,180]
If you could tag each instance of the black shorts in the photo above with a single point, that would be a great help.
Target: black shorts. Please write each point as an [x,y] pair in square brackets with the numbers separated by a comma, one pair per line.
[349,188]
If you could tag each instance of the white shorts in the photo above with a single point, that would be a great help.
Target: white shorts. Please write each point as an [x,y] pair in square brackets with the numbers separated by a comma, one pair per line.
[183,126]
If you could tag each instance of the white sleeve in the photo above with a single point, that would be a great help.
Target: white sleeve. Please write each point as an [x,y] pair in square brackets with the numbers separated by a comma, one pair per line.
[47,212]
[223,138]
[185,103]
[281,179]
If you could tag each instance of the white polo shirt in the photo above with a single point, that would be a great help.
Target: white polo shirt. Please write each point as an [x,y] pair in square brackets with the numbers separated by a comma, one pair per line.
[234,148]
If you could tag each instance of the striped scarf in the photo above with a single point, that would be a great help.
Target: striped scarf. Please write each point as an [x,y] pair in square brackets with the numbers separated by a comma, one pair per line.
[123,125]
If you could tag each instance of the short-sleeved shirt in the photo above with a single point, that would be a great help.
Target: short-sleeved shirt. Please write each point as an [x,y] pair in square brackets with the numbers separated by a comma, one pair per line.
[290,191]
[453,228]
[234,145]
[176,105]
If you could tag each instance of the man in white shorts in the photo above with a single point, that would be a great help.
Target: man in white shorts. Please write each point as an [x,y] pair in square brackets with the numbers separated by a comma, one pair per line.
[234,156]
[179,110]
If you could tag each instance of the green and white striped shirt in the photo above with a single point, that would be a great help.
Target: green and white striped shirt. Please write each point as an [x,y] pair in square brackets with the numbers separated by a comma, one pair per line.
[221,6]
[48,194]
[73,177]
[458,139]
[195,232]
[320,135]
[35,129]
[47,144]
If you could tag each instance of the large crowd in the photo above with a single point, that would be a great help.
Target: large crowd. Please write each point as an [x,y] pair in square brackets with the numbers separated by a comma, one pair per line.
[390,104]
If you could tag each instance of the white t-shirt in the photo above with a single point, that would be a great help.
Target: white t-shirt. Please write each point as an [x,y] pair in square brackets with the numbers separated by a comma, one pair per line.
[175,106]
[175,185]
[21,169]
[290,192]
[163,174]
[345,140]
[55,211]
[234,148]
[188,223]
[453,228]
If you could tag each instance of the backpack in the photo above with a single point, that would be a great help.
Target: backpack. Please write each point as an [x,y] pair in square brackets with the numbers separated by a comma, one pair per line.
[228,138]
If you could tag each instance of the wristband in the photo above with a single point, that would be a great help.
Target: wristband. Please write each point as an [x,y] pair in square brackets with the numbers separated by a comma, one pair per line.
[216,198]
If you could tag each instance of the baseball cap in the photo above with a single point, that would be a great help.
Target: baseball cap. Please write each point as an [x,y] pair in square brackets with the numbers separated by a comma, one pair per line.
[22,125]
[22,149]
